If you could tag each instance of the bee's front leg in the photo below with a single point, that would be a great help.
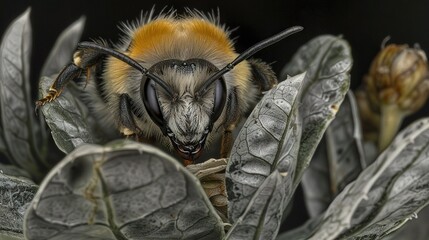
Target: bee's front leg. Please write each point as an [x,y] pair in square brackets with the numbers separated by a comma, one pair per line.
[69,72]
[83,59]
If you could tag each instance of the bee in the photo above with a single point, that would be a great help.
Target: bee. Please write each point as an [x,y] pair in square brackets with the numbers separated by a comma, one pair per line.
[174,78]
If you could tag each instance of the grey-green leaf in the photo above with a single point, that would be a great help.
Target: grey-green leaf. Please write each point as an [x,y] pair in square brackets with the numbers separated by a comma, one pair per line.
[66,116]
[327,61]
[61,53]
[269,140]
[17,109]
[414,229]
[3,147]
[122,191]
[301,232]
[338,159]
[15,196]
[263,215]
[385,195]
[13,170]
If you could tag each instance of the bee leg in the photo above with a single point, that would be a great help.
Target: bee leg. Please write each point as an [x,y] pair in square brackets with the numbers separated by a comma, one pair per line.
[83,59]
[263,75]
[69,72]
[227,141]
[233,118]
[128,125]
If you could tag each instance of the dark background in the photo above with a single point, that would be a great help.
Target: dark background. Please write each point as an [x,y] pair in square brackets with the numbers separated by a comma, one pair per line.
[363,23]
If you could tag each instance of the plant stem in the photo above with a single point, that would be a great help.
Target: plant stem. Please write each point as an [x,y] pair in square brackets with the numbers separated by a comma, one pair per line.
[390,122]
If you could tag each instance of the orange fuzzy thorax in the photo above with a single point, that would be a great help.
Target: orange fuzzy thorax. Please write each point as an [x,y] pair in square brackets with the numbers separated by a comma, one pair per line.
[167,35]
[186,38]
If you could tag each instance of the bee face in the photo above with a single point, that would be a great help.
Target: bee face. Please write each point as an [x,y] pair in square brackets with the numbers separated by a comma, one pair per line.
[186,116]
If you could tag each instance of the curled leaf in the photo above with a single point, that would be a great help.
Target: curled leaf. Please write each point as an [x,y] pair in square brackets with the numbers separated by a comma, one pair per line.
[67,119]
[338,160]
[327,61]
[122,191]
[268,141]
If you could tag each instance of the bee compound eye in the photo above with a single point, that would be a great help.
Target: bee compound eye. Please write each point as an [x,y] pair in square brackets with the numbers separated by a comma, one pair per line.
[219,98]
[151,103]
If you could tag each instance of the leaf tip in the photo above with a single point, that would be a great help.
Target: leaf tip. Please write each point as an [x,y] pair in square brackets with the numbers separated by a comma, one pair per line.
[26,13]
[81,21]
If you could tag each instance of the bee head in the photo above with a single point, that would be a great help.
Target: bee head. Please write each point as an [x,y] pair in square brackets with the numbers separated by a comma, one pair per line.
[183,113]
[185,98]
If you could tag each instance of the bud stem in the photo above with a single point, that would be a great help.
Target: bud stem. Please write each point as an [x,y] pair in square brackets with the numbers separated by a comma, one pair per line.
[391,119]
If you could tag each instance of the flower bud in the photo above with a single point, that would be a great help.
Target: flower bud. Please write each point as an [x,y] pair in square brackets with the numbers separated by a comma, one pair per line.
[397,85]
[399,76]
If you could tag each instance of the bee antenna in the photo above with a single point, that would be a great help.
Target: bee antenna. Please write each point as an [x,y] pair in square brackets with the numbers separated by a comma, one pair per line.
[126,59]
[248,53]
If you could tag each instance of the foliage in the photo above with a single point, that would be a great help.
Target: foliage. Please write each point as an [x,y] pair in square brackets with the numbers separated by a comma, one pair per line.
[128,190]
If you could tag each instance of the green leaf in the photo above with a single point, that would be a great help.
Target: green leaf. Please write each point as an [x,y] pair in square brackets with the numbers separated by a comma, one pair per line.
[15,196]
[67,118]
[327,61]
[62,52]
[125,190]
[338,160]
[17,109]
[269,140]
[263,215]
[384,196]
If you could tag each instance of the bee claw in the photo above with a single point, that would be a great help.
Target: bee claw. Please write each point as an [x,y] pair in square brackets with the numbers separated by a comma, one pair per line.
[41,102]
